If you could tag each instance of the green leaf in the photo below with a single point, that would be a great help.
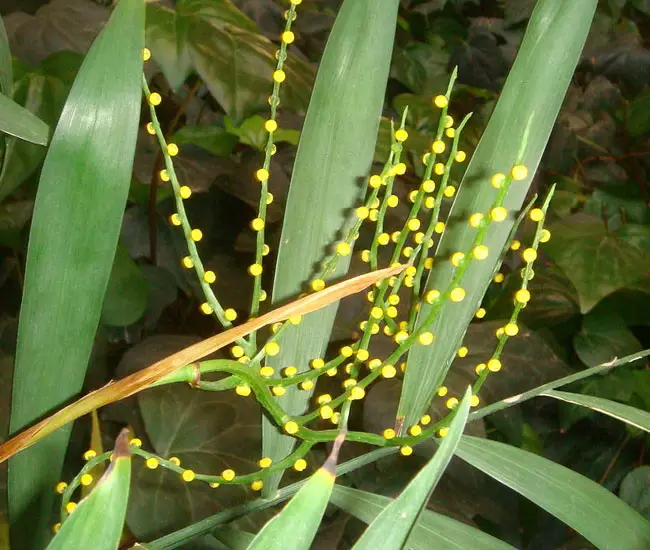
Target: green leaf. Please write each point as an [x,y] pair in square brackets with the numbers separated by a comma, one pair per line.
[582,504]
[392,526]
[598,262]
[168,48]
[6,66]
[252,132]
[207,431]
[517,133]
[603,337]
[43,92]
[635,490]
[432,530]
[74,233]
[213,139]
[630,415]
[295,527]
[19,122]
[225,48]
[234,539]
[336,150]
[525,396]
[98,519]
[126,295]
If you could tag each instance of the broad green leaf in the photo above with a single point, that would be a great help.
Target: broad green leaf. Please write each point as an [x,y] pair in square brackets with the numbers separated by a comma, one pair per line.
[21,123]
[392,526]
[207,431]
[225,48]
[126,294]
[335,152]
[630,415]
[432,530]
[603,337]
[598,262]
[98,519]
[165,39]
[74,233]
[581,503]
[295,527]
[213,139]
[251,132]
[517,133]
[635,490]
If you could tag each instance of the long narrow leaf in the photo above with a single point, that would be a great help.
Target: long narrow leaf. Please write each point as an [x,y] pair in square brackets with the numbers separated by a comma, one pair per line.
[392,526]
[294,528]
[516,134]
[77,217]
[590,509]
[630,415]
[334,155]
[520,398]
[98,519]
[6,66]
[19,122]
[432,530]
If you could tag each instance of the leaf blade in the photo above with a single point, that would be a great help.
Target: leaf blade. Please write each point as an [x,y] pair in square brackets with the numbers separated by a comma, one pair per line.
[581,503]
[336,150]
[431,530]
[294,528]
[393,525]
[516,134]
[630,415]
[21,123]
[77,217]
[98,519]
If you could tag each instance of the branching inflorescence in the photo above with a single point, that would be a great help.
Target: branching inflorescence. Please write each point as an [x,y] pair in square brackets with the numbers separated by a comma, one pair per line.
[412,244]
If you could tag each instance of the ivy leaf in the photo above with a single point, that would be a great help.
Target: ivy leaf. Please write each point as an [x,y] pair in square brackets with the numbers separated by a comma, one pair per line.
[638,115]
[126,294]
[225,48]
[251,132]
[207,431]
[635,490]
[598,262]
[517,11]
[421,67]
[604,337]
[213,139]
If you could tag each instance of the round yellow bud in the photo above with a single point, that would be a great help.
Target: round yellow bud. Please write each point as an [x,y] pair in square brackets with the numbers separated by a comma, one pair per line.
[401,135]
[519,172]
[440,101]
[494,365]
[291,427]
[536,214]
[228,475]
[498,214]
[279,76]
[457,294]
[300,465]
[529,255]
[498,180]
[155,99]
